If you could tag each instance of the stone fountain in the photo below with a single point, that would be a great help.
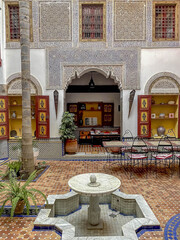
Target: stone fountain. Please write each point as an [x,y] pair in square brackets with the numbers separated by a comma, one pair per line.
[68,213]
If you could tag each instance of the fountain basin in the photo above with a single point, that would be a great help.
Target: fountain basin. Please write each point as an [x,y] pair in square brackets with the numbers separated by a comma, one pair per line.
[127,204]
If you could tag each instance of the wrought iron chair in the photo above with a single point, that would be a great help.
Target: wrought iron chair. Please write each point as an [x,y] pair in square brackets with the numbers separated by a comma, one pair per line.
[138,154]
[127,137]
[177,156]
[165,153]
[114,155]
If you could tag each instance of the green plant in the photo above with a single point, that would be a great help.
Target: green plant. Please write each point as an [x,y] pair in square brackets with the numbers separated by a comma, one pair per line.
[67,126]
[13,168]
[15,191]
[41,165]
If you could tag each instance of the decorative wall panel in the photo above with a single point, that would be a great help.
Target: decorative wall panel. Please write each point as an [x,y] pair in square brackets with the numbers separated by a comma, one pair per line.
[164,85]
[39,43]
[130,19]
[128,59]
[55,21]
[69,71]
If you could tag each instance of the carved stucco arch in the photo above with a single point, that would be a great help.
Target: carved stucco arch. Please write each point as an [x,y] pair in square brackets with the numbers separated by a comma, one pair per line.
[15,79]
[70,72]
[169,81]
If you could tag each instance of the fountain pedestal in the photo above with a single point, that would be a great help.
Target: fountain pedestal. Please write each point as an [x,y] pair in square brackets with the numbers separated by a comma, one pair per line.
[94,211]
[94,185]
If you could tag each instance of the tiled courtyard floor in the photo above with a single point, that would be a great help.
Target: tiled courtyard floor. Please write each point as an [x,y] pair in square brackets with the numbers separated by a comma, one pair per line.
[161,191]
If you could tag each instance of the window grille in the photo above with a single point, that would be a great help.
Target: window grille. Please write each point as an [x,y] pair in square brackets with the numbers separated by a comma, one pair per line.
[165,21]
[14,22]
[92,21]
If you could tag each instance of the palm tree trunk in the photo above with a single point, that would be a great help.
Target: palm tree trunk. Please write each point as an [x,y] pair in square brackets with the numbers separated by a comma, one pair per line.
[27,150]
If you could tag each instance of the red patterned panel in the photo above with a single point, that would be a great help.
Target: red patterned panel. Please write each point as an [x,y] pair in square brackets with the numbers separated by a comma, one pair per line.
[42,116]
[144,113]
[4,119]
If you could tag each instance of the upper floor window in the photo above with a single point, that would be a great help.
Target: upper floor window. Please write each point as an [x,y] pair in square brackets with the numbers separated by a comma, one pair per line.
[92,22]
[165,21]
[13,22]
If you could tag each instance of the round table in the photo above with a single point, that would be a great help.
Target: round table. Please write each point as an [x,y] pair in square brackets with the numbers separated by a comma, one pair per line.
[94,185]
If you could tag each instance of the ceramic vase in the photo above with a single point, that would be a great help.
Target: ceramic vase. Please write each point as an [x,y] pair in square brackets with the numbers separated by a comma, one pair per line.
[13,115]
[161,130]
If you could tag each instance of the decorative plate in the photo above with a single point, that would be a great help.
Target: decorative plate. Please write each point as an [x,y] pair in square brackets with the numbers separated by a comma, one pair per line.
[171,102]
[13,133]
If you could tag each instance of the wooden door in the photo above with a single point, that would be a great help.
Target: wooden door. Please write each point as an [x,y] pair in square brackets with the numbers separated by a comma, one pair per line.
[42,116]
[108,114]
[73,108]
[144,115]
[4,118]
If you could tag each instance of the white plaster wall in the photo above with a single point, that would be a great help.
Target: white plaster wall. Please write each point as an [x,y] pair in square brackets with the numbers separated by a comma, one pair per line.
[37,64]
[131,122]
[55,122]
[12,62]
[97,97]
[154,61]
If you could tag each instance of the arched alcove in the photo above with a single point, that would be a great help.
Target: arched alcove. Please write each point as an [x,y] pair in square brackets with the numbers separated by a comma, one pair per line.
[14,85]
[163,83]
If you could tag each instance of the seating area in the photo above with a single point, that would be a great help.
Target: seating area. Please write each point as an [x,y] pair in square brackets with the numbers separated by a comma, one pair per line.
[162,153]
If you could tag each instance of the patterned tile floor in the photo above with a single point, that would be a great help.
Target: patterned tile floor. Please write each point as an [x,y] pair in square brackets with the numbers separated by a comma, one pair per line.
[161,191]
[91,149]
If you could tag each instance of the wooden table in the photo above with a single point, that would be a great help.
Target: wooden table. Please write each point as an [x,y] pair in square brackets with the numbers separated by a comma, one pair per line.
[150,143]
[97,139]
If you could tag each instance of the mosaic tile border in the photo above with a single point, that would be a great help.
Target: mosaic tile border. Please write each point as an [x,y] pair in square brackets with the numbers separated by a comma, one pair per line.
[4,161]
[49,228]
[32,180]
[32,211]
[170,231]
[143,230]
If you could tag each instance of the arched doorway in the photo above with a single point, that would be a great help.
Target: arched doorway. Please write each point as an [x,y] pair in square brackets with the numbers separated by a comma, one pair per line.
[94,98]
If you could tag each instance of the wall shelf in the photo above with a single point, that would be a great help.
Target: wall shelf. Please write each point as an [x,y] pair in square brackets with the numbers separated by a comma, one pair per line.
[166,118]
[165,104]
[92,114]
[159,108]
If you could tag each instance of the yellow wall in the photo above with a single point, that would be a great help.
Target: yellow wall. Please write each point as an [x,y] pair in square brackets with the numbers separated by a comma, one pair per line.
[15,105]
[161,106]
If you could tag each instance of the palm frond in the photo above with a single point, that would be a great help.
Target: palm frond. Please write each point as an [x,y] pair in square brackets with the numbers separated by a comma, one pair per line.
[2,207]
[38,191]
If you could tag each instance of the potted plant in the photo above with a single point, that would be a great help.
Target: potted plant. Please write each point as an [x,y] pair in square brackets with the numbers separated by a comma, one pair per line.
[19,194]
[66,130]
